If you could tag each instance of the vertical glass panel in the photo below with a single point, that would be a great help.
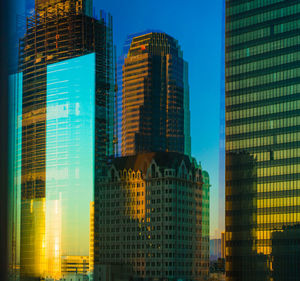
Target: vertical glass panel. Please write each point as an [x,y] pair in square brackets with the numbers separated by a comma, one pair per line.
[70,133]
[15,157]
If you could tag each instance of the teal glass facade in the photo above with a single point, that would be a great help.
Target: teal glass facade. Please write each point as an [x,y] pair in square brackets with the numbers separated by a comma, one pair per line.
[70,157]
[67,136]
[15,157]
[60,243]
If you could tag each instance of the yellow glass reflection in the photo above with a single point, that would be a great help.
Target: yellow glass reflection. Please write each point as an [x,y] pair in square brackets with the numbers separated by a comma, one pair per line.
[53,237]
[33,238]
[278,202]
[282,218]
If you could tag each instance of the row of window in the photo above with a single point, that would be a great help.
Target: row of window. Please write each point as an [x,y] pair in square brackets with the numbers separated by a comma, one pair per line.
[263,79]
[278,155]
[279,170]
[132,200]
[288,26]
[278,186]
[133,69]
[262,64]
[262,95]
[279,218]
[143,228]
[262,141]
[279,202]
[250,5]
[261,17]
[142,255]
[262,126]
[266,48]
[263,110]
[249,36]
[166,273]
[131,192]
[132,176]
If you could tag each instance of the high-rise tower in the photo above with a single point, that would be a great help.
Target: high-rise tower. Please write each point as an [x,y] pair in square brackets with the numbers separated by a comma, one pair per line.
[155,96]
[152,205]
[262,133]
[63,137]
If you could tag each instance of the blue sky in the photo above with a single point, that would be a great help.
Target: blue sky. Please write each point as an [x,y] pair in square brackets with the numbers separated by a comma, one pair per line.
[197,25]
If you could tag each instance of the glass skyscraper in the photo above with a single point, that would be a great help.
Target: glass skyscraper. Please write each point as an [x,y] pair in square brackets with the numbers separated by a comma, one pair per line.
[155,96]
[61,108]
[262,135]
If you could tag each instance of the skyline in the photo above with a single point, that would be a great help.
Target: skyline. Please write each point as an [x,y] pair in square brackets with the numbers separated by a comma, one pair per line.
[204,70]
[68,205]
[139,133]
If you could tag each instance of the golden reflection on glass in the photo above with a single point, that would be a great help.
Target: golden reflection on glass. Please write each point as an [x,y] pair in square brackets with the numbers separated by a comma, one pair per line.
[262,121]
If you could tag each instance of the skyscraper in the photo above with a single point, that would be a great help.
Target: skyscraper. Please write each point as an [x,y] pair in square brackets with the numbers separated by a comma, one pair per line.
[155,96]
[66,85]
[262,133]
[152,205]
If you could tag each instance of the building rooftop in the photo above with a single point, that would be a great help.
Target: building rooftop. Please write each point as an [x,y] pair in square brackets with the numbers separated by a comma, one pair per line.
[141,161]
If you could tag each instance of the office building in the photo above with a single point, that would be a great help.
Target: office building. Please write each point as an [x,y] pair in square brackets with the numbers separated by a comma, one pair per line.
[150,217]
[119,92]
[262,133]
[155,97]
[64,91]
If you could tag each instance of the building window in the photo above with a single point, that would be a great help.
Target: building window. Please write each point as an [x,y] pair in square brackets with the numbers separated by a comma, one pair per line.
[153,171]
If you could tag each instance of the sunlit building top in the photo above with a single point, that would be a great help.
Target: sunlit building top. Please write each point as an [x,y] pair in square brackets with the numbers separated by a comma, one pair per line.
[155,96]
